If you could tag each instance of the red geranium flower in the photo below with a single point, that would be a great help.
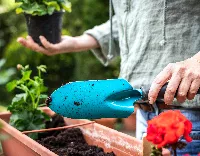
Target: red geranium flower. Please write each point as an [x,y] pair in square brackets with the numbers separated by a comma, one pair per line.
[168,127]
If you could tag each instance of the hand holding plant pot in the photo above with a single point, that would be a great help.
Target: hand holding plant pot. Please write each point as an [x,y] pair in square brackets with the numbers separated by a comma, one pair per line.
[44,17]
[166,130]
[67,44]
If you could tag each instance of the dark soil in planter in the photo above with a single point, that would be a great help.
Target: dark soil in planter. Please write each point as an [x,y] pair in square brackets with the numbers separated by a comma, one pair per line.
[69,142]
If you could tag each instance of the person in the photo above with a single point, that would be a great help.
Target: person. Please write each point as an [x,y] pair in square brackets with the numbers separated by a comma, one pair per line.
[158,42]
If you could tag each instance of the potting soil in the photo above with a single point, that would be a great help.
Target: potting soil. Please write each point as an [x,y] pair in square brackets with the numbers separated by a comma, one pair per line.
[69,142]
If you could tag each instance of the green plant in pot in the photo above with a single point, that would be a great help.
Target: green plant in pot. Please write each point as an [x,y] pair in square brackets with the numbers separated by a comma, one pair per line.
[44,17]
[30,92]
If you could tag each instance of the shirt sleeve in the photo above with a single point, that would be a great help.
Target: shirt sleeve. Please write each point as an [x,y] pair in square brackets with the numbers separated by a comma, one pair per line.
[102,34]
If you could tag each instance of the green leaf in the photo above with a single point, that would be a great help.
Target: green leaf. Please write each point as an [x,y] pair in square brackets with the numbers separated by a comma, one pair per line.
[26,67]
[25,1]
[50,11]
[34,136]
[17,121]
[42,105]
[19,10]
[18,104]
[26,75]
[66,6]
[31,8]
[11,85]
[24,88]
[53,4]
[42,68]
[43,89]
[43,96]
[19,97]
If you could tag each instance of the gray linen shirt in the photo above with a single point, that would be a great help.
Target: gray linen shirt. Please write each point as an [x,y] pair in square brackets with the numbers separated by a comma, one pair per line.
[148,35]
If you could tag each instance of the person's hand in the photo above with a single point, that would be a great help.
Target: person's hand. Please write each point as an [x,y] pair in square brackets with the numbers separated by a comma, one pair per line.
[67,44]
[183,77]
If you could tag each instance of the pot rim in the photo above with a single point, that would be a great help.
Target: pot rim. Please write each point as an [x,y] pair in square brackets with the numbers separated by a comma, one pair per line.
[55,12]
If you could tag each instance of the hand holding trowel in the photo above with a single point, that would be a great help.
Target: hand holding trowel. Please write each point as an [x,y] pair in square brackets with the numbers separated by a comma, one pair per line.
[94,99]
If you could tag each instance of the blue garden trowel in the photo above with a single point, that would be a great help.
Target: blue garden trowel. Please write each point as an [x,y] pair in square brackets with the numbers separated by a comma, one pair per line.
[94,99]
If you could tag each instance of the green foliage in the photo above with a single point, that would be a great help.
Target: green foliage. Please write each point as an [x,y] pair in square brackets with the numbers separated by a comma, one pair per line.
[5,75]
[32,89]
[24,106]
[42,7]
[6,6]
[29,120]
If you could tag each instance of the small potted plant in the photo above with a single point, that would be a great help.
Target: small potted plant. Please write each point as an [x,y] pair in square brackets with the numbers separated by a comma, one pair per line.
[26,114]
[44,17]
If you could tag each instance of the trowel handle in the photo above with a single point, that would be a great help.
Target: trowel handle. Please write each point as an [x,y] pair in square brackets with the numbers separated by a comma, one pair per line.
[145,90]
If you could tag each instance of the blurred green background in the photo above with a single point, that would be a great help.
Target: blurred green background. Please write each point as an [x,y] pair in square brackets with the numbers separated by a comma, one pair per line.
[61,68]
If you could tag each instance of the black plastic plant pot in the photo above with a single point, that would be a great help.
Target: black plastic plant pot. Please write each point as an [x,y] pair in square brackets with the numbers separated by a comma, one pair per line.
[49,26]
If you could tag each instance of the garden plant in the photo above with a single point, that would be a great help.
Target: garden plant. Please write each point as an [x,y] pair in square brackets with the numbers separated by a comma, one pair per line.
[25,104]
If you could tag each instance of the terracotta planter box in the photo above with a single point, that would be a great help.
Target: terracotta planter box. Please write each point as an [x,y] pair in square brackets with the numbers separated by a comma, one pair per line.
[95,134]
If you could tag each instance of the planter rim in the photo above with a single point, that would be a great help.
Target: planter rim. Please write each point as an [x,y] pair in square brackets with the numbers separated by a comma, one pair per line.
[24,139]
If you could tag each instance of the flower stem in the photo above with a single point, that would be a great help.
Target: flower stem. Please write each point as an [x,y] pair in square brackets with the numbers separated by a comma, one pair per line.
[175,154]
[174,149]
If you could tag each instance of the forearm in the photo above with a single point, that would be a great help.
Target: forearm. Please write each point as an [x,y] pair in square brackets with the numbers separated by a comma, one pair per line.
[85,42]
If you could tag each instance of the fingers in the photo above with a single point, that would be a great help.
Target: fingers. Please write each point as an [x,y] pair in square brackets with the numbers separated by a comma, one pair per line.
[195,85]
[35,47]
[50,47]
[22,41]
[159,81]
[29,43]
[183,89]
[66,45]
[172,87]
[45,43]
